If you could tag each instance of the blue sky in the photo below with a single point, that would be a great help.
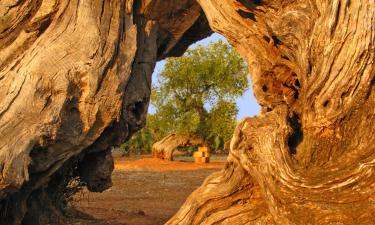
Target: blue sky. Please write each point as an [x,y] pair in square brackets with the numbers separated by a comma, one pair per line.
[246,104]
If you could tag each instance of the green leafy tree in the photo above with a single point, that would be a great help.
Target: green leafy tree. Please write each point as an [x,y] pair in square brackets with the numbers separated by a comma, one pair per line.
[221,122]
[140,142]
[195,93]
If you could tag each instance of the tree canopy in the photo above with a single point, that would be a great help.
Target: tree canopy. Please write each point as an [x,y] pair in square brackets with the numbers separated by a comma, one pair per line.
[195,93]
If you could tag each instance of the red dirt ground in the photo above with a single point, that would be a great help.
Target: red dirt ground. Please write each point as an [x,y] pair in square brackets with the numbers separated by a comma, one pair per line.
[145,191]
[146,163]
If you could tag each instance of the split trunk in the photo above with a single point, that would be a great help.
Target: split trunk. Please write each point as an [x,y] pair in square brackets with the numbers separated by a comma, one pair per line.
[75,79]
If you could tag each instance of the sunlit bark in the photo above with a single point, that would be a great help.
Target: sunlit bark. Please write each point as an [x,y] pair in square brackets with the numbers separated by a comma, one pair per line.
[75,79]
[311,152]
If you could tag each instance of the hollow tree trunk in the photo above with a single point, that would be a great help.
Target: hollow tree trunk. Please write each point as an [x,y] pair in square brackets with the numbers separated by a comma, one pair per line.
[75,79]
[309,157]
[164,148]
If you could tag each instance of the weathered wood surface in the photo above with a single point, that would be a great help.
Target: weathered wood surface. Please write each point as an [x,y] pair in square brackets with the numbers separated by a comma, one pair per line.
[309,157]
[164,148]
[75,79]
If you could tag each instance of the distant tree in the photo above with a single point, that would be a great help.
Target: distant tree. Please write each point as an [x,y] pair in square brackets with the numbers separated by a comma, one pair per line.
[140,143]
[222,122]
[195,93]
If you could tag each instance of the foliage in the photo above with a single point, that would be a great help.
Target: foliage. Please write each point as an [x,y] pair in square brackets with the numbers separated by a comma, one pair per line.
[140,142]
[196,93]
[223,125]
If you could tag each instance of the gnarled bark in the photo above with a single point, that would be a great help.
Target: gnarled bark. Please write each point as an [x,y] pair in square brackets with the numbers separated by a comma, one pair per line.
[311,151]
[164,148]
[74,80]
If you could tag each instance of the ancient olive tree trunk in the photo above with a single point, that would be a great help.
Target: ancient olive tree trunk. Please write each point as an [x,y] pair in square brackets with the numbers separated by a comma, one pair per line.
[75,79]
[309,157]
[164,148]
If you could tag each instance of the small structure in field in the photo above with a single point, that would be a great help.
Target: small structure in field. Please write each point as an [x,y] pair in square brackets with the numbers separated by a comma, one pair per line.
[202,155]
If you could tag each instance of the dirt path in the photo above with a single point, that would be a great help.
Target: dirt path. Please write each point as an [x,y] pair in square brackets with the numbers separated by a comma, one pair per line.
[145,191]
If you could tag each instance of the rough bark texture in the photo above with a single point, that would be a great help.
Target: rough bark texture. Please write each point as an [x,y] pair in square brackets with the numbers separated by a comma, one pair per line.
[309,157]
[75,78]
[164,148]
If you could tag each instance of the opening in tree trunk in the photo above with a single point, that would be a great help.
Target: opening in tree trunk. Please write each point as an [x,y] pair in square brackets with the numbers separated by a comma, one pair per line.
[164,148]
[75,79]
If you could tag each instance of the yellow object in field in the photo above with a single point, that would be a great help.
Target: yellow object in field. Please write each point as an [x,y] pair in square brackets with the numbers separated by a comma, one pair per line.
[202,155]
[202,149]
[202,160]
[198,154]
